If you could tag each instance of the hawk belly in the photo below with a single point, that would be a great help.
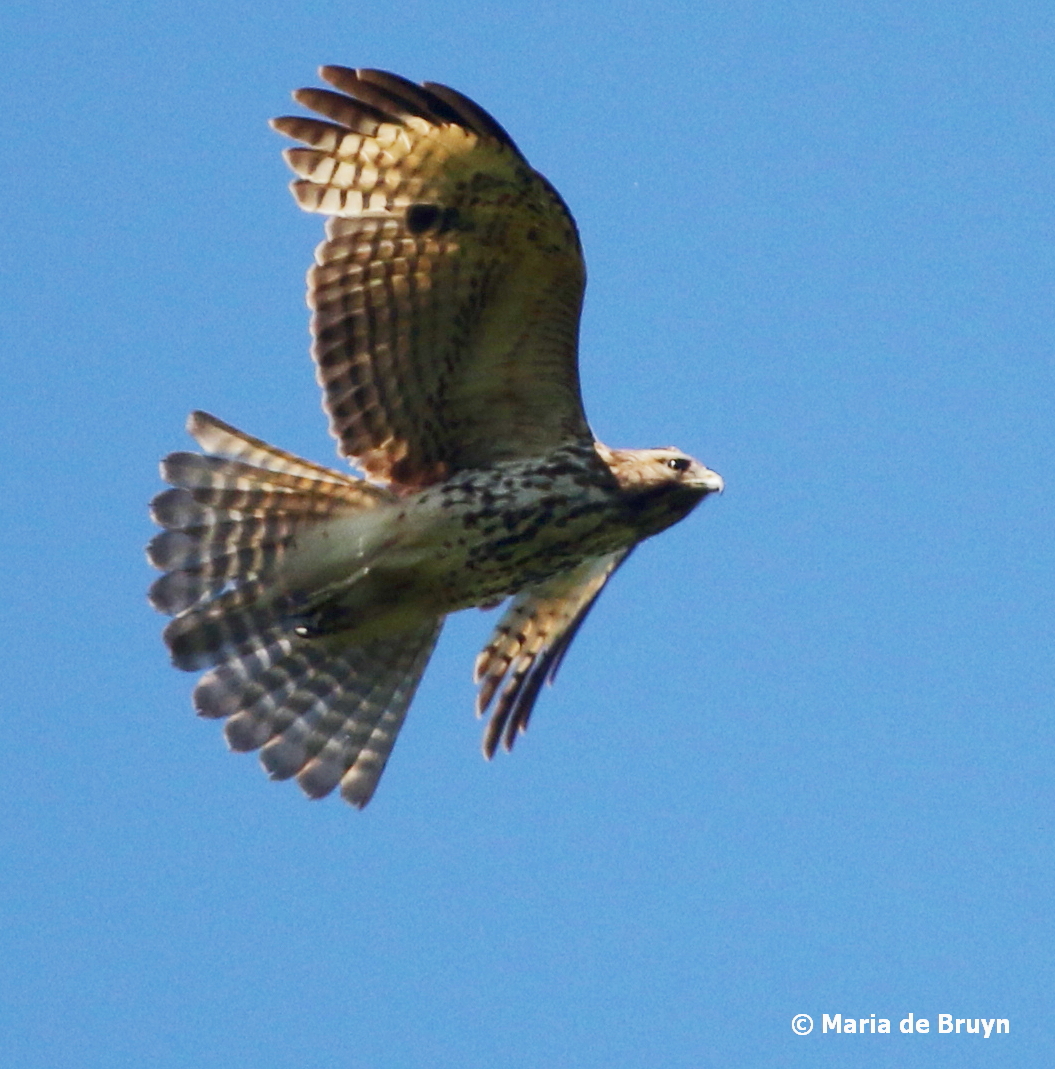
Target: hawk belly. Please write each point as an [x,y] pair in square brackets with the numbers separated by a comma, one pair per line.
[471,541]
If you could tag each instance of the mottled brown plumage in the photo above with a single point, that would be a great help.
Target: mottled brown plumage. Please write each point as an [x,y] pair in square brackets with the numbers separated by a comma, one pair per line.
[446,302]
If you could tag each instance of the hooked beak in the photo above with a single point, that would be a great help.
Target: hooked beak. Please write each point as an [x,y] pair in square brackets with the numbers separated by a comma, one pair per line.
[709,480]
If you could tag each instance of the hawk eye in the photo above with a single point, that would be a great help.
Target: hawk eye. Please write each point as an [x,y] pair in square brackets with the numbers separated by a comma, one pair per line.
[678,463]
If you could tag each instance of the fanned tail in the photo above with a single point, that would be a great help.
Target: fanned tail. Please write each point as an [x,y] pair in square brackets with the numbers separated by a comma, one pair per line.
[318,707]
[229,521]
[326,715]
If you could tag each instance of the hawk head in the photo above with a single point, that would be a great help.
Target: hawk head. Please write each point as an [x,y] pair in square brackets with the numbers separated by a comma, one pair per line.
[660,486]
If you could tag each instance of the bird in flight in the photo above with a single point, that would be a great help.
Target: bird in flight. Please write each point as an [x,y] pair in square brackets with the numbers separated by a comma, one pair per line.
[445,305]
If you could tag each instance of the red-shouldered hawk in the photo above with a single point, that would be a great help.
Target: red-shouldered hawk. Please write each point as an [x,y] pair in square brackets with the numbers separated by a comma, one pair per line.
[445,303]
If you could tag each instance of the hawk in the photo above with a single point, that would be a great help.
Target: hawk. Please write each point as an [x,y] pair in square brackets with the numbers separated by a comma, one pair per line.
[445,314]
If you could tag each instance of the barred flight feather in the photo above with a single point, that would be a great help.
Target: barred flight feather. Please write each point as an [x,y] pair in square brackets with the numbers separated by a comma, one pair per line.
[446,297]
[529,643]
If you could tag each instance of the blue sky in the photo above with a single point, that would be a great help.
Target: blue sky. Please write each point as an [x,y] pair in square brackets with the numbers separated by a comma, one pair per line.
[800,758]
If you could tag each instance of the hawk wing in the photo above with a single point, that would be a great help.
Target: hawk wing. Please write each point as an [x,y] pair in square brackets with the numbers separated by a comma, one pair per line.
[530,642]
[447,294]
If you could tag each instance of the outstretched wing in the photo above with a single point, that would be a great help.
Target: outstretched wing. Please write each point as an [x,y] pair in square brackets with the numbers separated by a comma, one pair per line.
[447,295]
[530,642]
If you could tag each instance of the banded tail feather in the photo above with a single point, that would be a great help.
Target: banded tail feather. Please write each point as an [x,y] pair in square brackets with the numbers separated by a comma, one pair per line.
[320,709]
[327,716]
[229,521]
